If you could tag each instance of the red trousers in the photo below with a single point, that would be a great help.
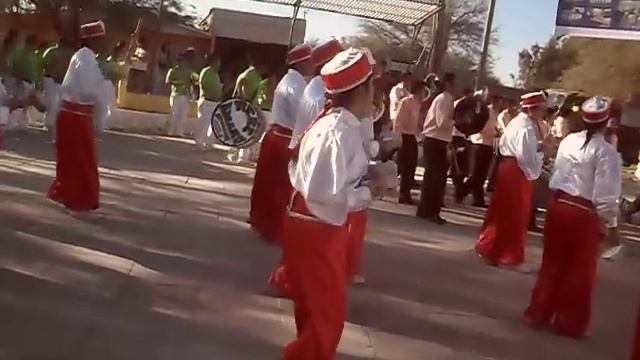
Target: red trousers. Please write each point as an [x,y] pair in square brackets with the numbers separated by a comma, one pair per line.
[562,294]
[357,230]
[271,185]
[635,346]
[316,259]
[77,182]
[504,232]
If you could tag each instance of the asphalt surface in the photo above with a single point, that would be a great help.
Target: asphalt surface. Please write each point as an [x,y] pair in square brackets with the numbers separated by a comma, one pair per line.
[172,271]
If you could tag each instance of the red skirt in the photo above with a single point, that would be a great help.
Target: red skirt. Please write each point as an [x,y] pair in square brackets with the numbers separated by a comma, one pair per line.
[357,231]
[504,232]
[635,346]
[562,293]
[271,185]
[315,255]
[77,182]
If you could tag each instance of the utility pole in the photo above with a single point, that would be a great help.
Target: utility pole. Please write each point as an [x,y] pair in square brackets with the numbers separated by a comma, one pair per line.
[486,41]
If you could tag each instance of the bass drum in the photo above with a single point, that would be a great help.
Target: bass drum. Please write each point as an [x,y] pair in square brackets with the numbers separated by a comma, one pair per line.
[237,123]
[471,115]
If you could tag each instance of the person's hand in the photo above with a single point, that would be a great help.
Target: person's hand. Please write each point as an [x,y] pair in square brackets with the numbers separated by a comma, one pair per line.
[604,229]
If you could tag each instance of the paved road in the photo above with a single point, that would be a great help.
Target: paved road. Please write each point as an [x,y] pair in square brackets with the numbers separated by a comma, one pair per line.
[173,272]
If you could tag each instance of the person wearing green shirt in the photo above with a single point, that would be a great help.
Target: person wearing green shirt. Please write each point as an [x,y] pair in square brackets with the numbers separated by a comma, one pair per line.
[248,83]
[210,95]
[180,78]
[55,61]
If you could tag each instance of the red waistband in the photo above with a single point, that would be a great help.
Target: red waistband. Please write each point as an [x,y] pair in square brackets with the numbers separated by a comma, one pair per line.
[281,130]
[76,108]
[576,201]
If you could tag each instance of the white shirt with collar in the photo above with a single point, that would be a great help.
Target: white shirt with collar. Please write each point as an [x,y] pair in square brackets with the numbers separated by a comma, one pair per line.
[592,172]
[286,99]
[311,105]
[520,140]
[331,165]
[487,135]
[398,93]
[439,122]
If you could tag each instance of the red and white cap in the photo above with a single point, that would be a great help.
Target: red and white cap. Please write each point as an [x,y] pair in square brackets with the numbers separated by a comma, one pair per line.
[322,53]
[92,30]
[533,99]
[298,54]
[596,110]
[347,70]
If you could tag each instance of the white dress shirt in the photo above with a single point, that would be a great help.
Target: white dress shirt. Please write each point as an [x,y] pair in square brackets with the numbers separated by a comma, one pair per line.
[439,122]
[398,93]
[84,83]
[311,105]
[286,99]
[487,135]
[560,128]
[520,140]
[331,165]
[592,172]
[503,120]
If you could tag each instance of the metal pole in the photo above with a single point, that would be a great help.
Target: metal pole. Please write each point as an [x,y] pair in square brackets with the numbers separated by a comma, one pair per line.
[296,9]
[486,41]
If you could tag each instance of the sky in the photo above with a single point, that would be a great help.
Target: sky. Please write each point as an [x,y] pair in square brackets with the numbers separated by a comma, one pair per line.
[519,23]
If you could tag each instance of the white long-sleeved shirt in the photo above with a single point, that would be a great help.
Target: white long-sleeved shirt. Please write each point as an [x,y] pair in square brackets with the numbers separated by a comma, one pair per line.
[84,82]
[331,165]
[286,99]
[398,93]
[439,122]
[592,172]
[488,133]
[520,140]
[311,105]
[503,120]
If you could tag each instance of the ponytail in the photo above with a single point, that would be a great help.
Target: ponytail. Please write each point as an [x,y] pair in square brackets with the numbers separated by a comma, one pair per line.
[592,130]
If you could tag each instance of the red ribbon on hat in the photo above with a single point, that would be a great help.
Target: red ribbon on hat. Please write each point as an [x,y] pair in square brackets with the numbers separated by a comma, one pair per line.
[299,54]
[347,77]
[322,53]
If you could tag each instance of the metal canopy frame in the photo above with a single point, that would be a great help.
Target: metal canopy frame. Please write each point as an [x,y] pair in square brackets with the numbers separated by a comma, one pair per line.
[407,12]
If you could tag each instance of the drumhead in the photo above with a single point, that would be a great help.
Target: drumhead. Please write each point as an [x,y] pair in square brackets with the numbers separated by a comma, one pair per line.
[237,123]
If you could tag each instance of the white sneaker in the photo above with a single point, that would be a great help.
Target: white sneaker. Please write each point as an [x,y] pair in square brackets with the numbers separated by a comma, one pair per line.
[614,253]
[85,215]
[358,280]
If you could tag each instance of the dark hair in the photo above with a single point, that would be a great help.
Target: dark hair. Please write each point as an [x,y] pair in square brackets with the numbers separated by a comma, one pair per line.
[449,78]
[341,99]
[592,130]
[416,86]
[465,91]
[32,39]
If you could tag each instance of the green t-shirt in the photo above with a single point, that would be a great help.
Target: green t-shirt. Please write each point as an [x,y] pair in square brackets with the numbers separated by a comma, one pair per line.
[24,65]
[110,68]
[262,98]
[55,61]
[210,84]
[251,80]
[180,79]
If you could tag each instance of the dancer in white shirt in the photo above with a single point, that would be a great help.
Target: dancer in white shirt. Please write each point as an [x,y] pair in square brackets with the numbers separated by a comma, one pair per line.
[587,180]
[504,232]
[329,179]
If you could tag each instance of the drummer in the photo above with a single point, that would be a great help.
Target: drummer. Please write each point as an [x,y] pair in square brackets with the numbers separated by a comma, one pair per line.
[587,181]
[327,179]
[504,232]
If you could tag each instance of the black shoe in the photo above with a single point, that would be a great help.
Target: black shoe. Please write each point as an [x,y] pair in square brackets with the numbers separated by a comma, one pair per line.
[437,219]
[480,204]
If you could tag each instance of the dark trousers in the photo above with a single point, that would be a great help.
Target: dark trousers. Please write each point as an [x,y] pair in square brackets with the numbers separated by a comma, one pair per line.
[435,177]
[459,161]
[407,162]
[481,156]
[491,185]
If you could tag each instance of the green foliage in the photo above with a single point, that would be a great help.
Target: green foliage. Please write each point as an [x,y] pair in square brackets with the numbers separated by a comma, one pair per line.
[595,66]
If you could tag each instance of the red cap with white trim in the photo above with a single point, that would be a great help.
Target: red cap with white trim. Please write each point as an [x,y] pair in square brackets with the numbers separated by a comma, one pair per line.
[347,70]
[321,54]
[596,110]
[533,99]
[298,54]
[92,30]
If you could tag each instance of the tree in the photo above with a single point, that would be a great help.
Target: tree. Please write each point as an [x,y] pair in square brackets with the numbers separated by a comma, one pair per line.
[595,66]
[465,39]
